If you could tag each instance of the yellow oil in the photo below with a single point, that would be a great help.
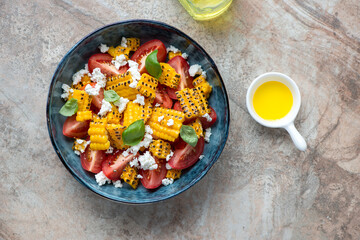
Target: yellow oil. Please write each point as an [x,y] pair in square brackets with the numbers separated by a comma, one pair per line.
[272,100]
[205,9]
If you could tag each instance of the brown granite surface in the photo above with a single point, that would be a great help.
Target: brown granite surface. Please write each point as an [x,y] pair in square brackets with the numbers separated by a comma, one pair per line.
[260,188]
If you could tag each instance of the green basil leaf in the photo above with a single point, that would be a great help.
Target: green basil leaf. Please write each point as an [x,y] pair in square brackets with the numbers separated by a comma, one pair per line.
[111,96]
[152,65]
[69,108]
[134,133]
[188,134]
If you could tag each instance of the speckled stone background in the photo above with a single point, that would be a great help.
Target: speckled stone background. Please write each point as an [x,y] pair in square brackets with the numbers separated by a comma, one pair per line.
[260,188]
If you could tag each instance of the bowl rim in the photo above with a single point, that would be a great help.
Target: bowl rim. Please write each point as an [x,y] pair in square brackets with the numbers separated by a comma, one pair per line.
[213,66]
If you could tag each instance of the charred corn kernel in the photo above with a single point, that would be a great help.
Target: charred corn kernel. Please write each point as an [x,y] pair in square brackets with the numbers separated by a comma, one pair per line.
[196,125]
[119,50]
[129,176]
[169,76]
[83,99]
[200,82]
[193,102]
[173,173]
[82,116]
[120,84]
[160,148]
[84,81]
[115,132]
[147,85]
[133,43]
[98,135]
[172,54]
[162,129]
[114,116]
[80,145]
[135,111]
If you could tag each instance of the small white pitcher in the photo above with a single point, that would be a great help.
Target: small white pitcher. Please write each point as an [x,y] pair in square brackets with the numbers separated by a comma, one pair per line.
[286,122]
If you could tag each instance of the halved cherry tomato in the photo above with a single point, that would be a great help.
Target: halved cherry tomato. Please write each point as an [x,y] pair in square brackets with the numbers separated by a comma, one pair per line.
[205,123]
[75,129]
[162,98]
[185,155]
[177,106]
[96,101]
[181,66]
[144,50]
[91,160]
[114,164]
[153,178]
[103,61]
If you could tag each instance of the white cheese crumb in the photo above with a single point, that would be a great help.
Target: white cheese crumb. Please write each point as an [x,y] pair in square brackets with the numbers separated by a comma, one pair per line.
[207,134]
[161,118]
[157,105]
[78,75]
[125,153]
[103,48]
[121,104]
[144,143]
[93,91]
[184,55]
[148,129]
[98,77]
[123,42]
[201,157]
[134,163]
[139,99]
[77,152]
[105,108]
[119,61]
[110,150]
[172,49]
[167,181]
[207,116]
[83,147]
[139,176]
[203,74]
[168,167]
[101,179]
[169,156]
[147,162]
[170,122]
[117,184]
[195,69]
[67,90]
[135,74]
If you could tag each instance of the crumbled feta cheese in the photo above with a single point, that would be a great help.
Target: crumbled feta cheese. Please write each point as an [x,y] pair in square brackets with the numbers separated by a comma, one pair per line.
[98,77]
[148,129]
[147,162]
[169,156]
[67,90]
[203,74]
[101,179]
[139,99]
[168,167]
[119,61]
[195,69]
[93,91]
[134,163]
[86,67]
[80,146]
[105,108]
[103,48]
[77,152]
[78,75]
[184,55]
[201,157]
[135,74]
[170,122]
[139,176]
[121,104]
[207,134]
[157,105]
[144,143]
[167,181]
[123,42]
[207,116]
[117,184]
[110,150]
[160,118]
[172,49]
[125,153]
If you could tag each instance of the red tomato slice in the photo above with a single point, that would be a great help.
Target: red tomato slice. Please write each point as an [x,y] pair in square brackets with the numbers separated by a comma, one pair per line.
[162,98]
[75,129]
[103,61]
[91,160]
[144,50]
[177,106]
[186,155]
[114,164]
[181,66]
[205,124]
[153,178]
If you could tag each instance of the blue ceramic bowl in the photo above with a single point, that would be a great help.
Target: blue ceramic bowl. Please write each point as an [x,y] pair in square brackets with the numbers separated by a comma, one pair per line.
[111,35]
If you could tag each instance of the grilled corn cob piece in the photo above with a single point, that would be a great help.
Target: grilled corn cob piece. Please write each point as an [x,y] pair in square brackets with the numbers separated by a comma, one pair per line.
[120,84]
[196,125]
[82,116]
[83,99]
[98,135]
[169,76]
[119,50]
[115,131]
[135,111]
[147,85]
[193,102]
[129,175]
[172,54]
[173,173]
[114,116]
[84,81]
[160,148]
[200,82]
[133,43]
